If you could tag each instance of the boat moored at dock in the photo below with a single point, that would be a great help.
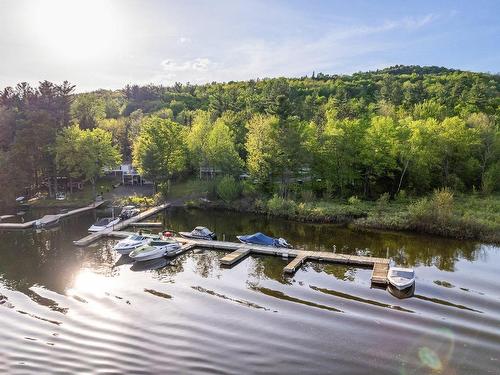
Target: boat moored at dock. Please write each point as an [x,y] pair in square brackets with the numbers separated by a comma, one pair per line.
[104,223]
[199,233]
[156,249]
[128,212]
[401,278]
[132,242]
[261,239]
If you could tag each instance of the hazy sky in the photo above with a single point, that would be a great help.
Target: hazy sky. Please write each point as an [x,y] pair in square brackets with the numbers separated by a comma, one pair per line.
[109,43]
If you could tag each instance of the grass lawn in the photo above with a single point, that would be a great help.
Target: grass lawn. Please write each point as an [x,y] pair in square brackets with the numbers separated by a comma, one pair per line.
[192,188]
[80,198]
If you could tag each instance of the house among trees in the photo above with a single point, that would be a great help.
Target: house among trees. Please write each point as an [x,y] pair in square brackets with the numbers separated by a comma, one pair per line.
[128,174]
[209,172]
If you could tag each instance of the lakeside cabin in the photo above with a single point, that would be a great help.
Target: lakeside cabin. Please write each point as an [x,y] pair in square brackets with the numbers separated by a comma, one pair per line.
[128,174]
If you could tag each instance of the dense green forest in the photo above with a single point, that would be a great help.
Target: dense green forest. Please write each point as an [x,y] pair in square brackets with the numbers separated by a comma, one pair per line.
[403,129]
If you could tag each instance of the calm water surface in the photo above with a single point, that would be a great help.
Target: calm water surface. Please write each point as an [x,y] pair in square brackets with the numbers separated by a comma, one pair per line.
[65,309]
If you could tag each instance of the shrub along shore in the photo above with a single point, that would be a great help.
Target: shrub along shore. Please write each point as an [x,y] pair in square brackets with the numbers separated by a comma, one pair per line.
[442,213]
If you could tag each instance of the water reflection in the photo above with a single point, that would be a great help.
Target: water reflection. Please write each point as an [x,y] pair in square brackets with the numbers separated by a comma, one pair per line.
[406,249]
[57,300]
[401,294]
[149,265]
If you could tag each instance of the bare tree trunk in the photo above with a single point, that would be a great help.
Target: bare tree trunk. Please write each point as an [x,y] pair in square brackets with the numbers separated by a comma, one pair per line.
[49,185]
[402,175]
[93,188]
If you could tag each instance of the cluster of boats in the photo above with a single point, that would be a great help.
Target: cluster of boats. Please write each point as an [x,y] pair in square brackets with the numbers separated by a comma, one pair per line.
[141,247]
[145,247]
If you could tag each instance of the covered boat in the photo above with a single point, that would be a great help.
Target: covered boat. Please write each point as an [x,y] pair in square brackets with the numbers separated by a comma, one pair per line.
[132,242]
[104,223]
[401,278]
[200,233]
[261,239]
[156,249]
[128,212]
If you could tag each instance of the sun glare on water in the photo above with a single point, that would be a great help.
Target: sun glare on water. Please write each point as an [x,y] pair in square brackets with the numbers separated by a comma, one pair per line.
[75,29]
[88,282]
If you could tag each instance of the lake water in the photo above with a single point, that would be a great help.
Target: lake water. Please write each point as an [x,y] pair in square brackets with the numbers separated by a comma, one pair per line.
[65,309]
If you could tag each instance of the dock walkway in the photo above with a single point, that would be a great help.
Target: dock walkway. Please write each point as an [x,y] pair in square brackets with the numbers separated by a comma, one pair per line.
[238,251]
[30,224]
[120,225]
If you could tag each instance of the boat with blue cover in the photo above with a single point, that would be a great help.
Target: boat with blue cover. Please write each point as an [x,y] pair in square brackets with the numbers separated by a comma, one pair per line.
[261,239]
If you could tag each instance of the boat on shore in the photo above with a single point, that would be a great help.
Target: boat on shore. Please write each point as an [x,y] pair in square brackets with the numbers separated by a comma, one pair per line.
[104,223]
[199,233]
[156,249]
[401,278]
[261,239]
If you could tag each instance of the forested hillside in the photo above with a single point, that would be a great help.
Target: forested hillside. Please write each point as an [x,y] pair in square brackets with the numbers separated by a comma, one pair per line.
[402,128]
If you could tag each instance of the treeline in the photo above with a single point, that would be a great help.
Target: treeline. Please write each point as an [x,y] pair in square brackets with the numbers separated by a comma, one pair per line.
[30,119]
[41,140]
[402,128]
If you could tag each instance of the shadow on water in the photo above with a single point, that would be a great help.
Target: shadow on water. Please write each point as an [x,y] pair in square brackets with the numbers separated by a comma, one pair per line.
[445,303]
[401,294]
[358,299]
[284,297]
[149,265]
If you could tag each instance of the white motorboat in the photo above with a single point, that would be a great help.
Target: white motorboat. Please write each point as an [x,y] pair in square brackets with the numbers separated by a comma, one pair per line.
[401,278]
[132,242]
[128,212]
[200,233]
[104,223]
[47,221]
[156,249]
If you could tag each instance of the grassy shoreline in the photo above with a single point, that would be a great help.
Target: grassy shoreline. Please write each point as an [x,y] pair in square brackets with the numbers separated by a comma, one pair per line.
[469,217]
[463,216]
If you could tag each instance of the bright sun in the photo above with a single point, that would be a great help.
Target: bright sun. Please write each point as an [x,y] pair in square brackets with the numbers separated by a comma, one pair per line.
[75,29]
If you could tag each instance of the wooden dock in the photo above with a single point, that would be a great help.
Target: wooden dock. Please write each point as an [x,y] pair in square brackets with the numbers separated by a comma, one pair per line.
[238,251]
[120,225]
[147,224]
[235,256]
[379,273]
[30,224]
